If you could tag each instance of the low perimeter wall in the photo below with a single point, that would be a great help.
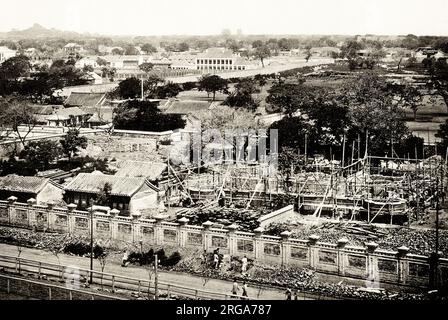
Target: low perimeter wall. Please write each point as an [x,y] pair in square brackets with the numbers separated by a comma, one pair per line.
[369,263]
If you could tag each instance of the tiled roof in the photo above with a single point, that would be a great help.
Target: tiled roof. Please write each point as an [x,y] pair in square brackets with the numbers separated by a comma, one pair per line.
[45,110]
[87,99]
[65,113]
[92,76]
[104,113]
[23,184]
[150,170]
[186,106]
[217,53]
[94,183]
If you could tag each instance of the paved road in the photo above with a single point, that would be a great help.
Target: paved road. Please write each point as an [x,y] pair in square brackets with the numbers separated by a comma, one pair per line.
[182,279]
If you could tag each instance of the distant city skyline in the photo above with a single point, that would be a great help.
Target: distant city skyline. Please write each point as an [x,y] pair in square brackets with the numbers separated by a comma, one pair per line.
[210,17]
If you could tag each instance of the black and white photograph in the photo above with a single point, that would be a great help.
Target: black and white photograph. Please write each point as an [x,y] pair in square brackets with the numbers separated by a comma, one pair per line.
[237,151]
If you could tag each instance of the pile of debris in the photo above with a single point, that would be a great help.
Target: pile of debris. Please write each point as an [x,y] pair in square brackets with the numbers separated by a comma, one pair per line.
[302,279]
[246,219]
[54,242]
[418,241]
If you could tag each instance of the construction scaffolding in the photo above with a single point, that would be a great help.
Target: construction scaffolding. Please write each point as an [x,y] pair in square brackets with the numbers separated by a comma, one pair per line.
[371,189]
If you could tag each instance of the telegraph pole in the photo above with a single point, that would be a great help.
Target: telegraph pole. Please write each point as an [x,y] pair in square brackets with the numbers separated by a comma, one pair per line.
[91,244]
[306,148]
[436,260]
[156,278]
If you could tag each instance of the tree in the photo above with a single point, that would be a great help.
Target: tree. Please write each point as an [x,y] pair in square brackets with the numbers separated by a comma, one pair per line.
[183,46]
[401,54]
[374,111]
[233,45]
[286,97]
[87,68]
[146,67]
[308,53]
[104,196]
[273,46]
[442,133]
[130,50]
[284,44]
[411,97]
[72,142]
[410,42]
[329,115]
[257,44]
[18,117]
[349,50]
[212,84]
[15,67]
[151,85]
[438,82]
[129,88]
[117,51]
[101,61]
[145,116]
[291,134]
[261,80]
[149,48]
[262,52]
[108,72]
[41,153]
[287,159]
[168,90]
[242,96]
[227,118]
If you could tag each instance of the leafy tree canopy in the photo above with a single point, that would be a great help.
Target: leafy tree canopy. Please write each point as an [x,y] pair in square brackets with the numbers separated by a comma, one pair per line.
[145,116]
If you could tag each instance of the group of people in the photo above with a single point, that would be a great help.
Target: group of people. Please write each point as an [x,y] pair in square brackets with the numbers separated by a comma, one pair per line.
[289,294]
[218,259]
[236,288]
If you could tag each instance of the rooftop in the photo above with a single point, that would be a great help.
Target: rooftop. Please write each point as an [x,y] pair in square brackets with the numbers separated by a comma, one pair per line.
[94,183]
[45,110]
[17,183]
[217,53]
[136,169]
[65,113]
[88,99]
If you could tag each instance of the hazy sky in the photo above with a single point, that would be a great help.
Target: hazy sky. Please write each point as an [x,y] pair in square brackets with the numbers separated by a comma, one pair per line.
[202,17]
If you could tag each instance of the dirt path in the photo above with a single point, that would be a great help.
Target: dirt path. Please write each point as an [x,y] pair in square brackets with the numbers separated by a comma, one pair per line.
[182,279]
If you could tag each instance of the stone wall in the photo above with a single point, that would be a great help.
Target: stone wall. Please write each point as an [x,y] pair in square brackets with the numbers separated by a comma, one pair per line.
[368,263]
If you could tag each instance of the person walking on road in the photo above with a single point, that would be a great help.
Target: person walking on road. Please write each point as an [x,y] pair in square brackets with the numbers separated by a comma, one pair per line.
[215,260]
[244,265]
[288,294]
[125,259]
[244,295]
[235,288]
[204,258]
[296,294]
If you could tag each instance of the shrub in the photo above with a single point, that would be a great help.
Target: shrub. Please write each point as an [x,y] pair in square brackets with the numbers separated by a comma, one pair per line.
[165,142]
[172,260]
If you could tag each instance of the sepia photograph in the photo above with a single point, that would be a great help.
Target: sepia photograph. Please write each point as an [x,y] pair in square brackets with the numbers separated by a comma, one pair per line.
[245,152]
